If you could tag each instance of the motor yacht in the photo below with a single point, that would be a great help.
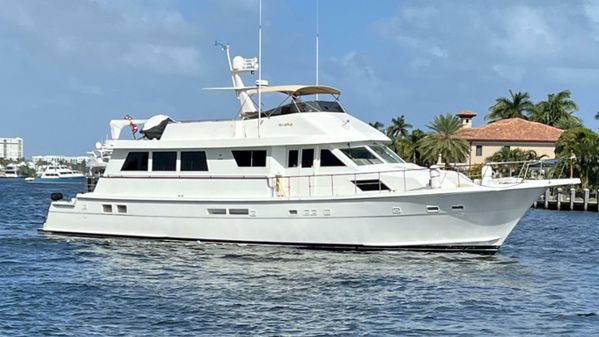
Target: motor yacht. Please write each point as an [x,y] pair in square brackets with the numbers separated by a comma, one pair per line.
[304,173]
[11,171]
[58,174]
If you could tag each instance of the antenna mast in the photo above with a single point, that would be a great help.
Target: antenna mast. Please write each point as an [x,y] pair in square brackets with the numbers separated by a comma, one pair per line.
[259,67]
[317,44]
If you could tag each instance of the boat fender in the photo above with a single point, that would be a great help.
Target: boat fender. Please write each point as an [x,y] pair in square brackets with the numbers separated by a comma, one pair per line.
[56,196]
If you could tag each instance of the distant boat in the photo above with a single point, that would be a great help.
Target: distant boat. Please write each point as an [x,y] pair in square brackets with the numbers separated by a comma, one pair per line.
[55,174]
[11,171]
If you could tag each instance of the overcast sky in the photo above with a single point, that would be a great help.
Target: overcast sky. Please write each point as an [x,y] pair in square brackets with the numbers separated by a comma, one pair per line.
[69,66]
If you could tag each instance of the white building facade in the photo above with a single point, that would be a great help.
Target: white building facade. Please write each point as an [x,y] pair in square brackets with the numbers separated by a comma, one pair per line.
[60,159]
[11,148]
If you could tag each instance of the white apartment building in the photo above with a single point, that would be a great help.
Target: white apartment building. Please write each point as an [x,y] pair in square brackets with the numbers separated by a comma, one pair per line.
[59,158]
[11,148]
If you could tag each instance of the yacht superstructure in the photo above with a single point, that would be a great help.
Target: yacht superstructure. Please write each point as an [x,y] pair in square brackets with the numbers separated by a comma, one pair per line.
[11,171]
[310,175]
[55,173]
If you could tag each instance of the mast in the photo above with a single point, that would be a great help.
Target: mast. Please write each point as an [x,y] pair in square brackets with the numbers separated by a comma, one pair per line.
[259,67]
[317,44]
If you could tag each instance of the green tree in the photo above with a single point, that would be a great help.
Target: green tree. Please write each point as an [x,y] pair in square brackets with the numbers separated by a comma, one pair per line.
[398,128]
[378,125]
[443,140]
[516,158]
[566,123]
[558,107]
[580,146]
[515,106]
[407,147]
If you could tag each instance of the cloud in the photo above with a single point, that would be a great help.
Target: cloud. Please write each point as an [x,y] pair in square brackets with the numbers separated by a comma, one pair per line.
[591,11]
[359,76]
[523,32]
[99,33]
[502,39]
[163,58]
[513,74]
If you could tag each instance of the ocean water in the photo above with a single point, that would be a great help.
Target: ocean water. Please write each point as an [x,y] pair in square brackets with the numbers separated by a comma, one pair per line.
[544,281]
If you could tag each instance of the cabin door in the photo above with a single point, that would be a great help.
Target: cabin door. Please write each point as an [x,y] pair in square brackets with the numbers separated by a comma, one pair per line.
[300,166]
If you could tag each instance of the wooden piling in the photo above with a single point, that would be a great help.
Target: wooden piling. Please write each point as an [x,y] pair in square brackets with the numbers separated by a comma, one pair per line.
[559,198]
[572,198]
[586,199]
[547,195]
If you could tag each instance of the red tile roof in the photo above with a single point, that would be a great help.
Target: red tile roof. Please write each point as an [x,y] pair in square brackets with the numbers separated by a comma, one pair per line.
[466,114]
[512,129]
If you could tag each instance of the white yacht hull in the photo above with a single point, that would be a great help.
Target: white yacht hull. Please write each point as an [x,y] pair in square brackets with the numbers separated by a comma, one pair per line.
[475,219]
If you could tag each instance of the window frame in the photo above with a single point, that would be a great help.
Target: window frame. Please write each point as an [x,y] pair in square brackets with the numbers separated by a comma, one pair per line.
[252,157]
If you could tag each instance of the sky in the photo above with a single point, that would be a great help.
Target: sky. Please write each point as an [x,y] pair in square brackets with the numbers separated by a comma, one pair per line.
[67,67]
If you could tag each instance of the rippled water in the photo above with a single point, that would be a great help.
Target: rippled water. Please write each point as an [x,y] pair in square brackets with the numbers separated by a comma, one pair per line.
[543,281]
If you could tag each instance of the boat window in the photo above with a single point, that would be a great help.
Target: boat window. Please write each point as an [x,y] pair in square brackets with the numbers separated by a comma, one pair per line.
[292,158]
[250,158]
[361,156]
[371,185]
[193,161]
[387,154]
[307,157]
[327,158]
[164,161]
[136,161]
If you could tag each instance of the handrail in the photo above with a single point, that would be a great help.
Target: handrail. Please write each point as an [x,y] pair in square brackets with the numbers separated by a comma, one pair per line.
[455,168]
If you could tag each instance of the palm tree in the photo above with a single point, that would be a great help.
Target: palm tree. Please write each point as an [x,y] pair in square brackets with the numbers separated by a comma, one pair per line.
[597,115]
[399,128]
[583,144]
[378,125]
[557,107]
[567,123]
[516,156]
[515,106]
[443,140]
[407,147]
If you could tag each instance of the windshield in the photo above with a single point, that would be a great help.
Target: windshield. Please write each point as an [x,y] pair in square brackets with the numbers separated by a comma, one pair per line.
[361,156]
[387,154]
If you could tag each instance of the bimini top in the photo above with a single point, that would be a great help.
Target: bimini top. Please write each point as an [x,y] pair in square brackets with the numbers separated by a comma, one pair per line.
[295,90]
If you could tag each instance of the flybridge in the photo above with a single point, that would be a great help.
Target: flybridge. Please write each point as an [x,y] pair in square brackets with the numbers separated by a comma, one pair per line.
[292,104]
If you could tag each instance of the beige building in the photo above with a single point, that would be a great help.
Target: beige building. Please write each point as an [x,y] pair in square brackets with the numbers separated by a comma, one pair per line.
[513,132]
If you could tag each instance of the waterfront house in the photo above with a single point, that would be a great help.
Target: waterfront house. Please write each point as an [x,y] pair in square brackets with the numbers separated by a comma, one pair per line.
[519,133]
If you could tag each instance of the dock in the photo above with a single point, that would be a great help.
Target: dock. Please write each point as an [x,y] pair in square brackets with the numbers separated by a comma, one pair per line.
[562,199]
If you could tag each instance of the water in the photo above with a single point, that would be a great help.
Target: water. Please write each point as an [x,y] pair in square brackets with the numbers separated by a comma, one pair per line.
[542,282]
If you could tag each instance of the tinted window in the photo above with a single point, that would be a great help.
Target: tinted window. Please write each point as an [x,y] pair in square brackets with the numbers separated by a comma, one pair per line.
[164,161]
[387,154]
[327,158]
[243,158]
[307,157]
[259,158]
[292,159]
[250,158]
[136,161]
[193,161]
[361,156]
